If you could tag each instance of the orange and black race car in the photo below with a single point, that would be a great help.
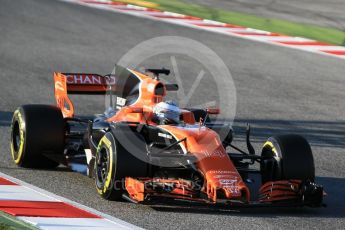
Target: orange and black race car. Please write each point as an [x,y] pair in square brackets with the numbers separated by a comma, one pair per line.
[146,150]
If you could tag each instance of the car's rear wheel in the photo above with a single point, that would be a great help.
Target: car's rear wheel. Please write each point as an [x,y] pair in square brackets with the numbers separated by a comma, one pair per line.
[287,157]
[37,131]
[113,164]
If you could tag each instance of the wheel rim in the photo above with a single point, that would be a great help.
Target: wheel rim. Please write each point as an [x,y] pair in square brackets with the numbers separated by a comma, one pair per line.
[270,164]
[16,140]
[102,163]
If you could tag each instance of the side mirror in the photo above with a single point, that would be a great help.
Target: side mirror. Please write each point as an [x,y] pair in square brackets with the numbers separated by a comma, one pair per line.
[171,87]
[213,110]
[137,110]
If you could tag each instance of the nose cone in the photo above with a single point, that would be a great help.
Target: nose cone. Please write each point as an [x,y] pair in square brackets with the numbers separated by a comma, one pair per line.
[221,176]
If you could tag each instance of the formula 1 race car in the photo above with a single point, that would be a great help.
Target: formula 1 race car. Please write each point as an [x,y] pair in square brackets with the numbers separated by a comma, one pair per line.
[146,150]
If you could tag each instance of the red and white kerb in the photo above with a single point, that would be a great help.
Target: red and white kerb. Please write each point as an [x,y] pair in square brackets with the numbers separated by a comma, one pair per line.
[47,211]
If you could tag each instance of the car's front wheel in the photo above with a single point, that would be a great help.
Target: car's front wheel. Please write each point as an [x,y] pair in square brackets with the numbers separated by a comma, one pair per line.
[287,157]
[113,164]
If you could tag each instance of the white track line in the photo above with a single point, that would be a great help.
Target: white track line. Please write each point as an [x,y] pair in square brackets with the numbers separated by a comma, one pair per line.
[10,192]
[69,223]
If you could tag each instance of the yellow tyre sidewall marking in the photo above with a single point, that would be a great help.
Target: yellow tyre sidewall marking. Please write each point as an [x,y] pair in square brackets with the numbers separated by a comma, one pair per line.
[107,183]
[270,144]
[21,123]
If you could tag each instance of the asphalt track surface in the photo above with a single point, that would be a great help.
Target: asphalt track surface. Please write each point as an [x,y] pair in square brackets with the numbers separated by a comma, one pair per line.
[328,13]
[279,90]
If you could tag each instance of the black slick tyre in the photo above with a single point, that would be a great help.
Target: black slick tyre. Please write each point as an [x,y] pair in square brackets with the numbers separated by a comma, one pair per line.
[113,164]
[36,132]
[287,157]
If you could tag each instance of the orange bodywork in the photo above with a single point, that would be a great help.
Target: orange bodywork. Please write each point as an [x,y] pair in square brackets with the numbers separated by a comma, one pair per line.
[213,161]
[279,190]
[139,188]
[61,96]
[222,180]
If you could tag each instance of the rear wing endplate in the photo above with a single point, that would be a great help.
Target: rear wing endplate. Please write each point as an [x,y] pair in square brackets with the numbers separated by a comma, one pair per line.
[78,83]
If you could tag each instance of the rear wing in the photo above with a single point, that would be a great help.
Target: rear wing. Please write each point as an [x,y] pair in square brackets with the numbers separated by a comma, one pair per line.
[78,83]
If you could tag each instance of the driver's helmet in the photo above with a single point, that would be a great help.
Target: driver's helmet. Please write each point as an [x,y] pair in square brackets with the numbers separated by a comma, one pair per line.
[167,112]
